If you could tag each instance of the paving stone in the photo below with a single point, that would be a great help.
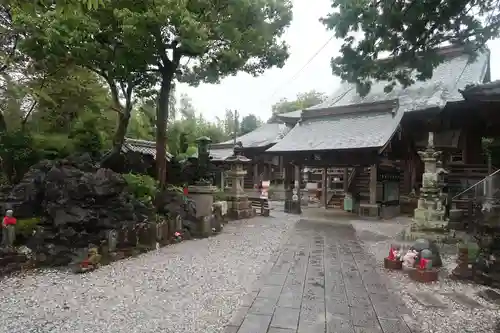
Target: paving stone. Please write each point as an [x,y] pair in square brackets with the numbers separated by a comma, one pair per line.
[464,300]
[248,299]
[337,306]
[272,292]
[290,298]
[394,326]
[285,318]
[281,268]
[358,297]
[358,329]
[386,306]
[238,316]
[276,279]
[339,325]
[281,330]
[231,329]
[294,280]
[490,295]
[312,318]
[427,299]
[264,306]
[364,317]
[254,323]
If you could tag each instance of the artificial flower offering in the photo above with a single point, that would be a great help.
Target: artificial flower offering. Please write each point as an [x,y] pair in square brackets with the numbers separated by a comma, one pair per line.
[393,260]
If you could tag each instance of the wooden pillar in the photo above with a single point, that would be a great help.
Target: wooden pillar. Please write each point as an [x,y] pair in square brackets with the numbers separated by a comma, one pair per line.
[297,182]
[373,184]
[256,173]
[346,180]
[324,188]
[222,180]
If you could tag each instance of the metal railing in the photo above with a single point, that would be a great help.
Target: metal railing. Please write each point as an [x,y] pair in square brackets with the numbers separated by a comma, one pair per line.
[486,187]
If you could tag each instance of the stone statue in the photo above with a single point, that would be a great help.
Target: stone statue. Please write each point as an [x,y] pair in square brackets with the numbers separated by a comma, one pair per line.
[429,250]
[9,229]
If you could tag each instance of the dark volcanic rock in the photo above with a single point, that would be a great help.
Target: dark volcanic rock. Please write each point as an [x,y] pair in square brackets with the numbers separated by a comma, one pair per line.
[77,202]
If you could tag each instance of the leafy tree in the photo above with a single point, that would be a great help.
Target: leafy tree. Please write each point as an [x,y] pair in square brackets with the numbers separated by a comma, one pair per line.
[95,41]
[409,32]
[249,123]
[303,101]
[221,37]
[186,108]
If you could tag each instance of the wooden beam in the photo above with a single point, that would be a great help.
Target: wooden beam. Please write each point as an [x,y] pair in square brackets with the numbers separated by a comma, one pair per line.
[373,184]
[324,187]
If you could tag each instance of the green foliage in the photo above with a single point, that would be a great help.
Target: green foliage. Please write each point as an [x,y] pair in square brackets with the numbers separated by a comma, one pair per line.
[249,123]
[220,196]
[17,154]
[25,227]
[52,146]
[192,150]
[303,101]
[86,136]
[142,187]
[408,32]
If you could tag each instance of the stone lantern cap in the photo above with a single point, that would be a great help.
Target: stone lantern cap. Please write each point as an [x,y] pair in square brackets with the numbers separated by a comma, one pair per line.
[237,157]
[203,139]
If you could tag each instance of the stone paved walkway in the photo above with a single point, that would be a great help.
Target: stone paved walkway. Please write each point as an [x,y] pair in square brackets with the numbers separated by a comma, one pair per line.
[321,281]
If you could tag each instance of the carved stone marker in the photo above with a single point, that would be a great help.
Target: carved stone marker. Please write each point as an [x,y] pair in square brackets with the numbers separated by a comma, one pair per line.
[112,240]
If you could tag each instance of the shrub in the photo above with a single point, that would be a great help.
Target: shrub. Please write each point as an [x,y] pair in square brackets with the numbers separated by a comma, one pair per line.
[220,196]
[53,146]
[25,227]
[17,154]
[142,187]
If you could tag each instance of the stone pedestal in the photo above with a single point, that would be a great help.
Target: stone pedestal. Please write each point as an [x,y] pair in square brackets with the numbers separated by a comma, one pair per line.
[367,210]
[146,236]
[220,209]
[393,264]
[203,196]
[463,271]
[162,233]
[423,275]
[239,207]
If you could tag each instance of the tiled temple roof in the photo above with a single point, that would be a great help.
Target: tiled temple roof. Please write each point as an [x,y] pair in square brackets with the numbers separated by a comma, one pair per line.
[348,121]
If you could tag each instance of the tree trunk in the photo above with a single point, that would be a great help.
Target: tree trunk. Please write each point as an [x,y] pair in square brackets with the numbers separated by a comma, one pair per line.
[121,131]
[161,128]
[3,123]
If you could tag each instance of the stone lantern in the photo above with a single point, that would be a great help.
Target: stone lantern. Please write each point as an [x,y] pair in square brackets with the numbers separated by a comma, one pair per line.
[430,213]
[238,204]
[202,192]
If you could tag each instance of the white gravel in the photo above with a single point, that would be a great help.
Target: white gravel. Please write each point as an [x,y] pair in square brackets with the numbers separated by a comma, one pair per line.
[190,287]
[455,317]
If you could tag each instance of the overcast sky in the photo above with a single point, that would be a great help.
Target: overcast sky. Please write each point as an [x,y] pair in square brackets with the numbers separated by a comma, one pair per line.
[305,37]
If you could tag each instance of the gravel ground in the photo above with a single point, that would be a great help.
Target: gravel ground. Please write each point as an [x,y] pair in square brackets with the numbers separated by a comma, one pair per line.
[455,317]
[189,287]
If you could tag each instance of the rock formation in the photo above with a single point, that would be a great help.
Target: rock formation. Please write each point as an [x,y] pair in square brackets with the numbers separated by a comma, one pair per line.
[77,202]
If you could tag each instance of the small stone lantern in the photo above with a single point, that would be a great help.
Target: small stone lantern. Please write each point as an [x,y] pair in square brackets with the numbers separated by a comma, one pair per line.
[239,206]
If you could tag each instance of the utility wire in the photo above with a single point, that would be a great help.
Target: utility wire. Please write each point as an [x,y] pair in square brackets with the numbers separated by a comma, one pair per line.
[301,69]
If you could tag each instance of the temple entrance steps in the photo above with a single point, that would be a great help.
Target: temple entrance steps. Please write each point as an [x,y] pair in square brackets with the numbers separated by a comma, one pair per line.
[336,200]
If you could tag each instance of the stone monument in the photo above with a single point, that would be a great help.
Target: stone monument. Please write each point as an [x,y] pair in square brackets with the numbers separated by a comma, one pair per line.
[202,192]
[239,207]
[429,216]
